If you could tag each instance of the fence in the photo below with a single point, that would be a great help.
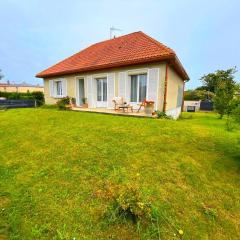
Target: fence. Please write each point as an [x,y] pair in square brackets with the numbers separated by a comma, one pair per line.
[17,103]
[206,106]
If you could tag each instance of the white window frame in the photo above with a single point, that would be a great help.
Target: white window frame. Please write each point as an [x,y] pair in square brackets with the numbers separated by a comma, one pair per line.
[138,74]
[94,98]
[55,88]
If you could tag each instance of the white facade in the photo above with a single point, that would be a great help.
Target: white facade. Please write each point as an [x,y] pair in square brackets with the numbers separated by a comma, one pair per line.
[132,84]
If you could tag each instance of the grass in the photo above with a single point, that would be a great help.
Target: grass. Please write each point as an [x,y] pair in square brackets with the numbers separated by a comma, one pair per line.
[54,164]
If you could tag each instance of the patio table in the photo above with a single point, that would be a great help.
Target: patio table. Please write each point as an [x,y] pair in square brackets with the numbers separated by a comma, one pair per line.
[124,107]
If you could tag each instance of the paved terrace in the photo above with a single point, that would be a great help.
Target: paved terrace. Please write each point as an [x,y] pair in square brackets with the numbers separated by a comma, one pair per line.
[113,112]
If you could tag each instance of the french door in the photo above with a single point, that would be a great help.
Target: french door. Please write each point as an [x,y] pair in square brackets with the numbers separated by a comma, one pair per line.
[101,92]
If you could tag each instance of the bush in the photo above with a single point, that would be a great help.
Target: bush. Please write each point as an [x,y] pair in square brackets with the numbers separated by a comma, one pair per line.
[128,204]
[39,97]
[235,109]
[62,103]
[162,115]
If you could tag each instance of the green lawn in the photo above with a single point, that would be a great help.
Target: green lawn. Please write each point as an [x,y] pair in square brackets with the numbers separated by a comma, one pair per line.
[56,166]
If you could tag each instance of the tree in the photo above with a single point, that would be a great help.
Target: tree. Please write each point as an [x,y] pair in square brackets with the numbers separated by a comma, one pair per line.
[196,95]
[236,105]
[212,80]
[224,94]
[1,75]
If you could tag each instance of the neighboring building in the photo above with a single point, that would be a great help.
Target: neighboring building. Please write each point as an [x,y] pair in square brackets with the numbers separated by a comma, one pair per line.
[133,66]
[191,106]
[21,88]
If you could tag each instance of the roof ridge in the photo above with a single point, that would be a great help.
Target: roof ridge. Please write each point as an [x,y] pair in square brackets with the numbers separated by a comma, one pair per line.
[157,42]
[112,39]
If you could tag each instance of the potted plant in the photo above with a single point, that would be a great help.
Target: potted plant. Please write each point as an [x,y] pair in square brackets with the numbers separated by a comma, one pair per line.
[84,101]
[73,102]
[149,106]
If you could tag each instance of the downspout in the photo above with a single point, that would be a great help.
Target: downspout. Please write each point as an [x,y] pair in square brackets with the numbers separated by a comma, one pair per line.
[183,97]
[165,89]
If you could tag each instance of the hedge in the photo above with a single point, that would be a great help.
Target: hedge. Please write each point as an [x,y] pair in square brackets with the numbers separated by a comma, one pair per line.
[37,95]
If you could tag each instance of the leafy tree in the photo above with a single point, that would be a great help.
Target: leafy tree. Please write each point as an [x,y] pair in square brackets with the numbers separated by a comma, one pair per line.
[212,80]
[224,94]
[193,95]
[1,75]
[202,88]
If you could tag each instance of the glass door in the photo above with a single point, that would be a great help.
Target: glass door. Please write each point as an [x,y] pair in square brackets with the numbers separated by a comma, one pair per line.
[81,92]
[101,92]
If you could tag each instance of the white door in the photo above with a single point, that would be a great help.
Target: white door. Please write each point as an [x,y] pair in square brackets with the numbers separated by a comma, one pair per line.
[81,91]
[101,92]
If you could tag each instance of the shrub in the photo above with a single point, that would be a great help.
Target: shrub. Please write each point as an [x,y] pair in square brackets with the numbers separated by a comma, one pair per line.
[62,103]
[235,109]
[162,115]
[39,97]
[128,203]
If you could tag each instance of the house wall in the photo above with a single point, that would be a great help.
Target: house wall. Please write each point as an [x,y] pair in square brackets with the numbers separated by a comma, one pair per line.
[174,81]
[71,81]
[173,84]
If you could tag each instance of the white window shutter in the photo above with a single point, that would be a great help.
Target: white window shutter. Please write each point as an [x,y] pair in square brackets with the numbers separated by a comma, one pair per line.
[128,88]
[64,87]
[110,89]
[94,92]
[77,91]
[122,85]
[152,86]
[51,88]
[89,91]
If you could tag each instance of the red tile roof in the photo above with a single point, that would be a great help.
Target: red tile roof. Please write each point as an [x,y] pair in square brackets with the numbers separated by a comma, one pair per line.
[130,49]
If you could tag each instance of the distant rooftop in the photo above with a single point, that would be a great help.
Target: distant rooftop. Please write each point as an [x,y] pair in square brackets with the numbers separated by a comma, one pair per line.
[23,84]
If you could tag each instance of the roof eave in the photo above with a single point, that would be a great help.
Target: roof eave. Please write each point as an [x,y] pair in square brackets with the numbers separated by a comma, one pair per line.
[106,66]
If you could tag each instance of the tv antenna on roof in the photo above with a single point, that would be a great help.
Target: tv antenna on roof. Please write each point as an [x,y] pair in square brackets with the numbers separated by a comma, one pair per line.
[113,29]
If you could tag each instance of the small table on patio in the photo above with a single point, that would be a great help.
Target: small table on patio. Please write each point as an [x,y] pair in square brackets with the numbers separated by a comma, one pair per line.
[124,107]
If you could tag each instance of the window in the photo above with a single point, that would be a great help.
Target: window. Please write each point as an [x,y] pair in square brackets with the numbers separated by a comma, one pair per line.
[59,88]
[102,89]
[138,87]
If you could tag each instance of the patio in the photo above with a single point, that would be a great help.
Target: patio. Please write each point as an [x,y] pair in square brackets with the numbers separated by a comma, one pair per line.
[140,114]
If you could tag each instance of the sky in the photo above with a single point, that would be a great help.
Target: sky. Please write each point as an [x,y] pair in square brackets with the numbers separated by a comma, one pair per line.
[35,34]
